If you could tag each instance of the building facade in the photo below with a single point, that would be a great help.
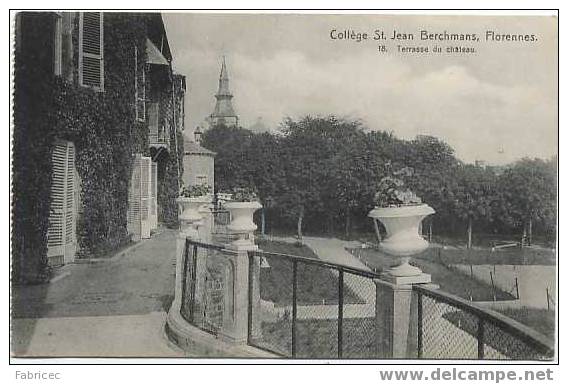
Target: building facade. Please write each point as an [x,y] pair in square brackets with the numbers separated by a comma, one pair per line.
[96,149]
[198,164]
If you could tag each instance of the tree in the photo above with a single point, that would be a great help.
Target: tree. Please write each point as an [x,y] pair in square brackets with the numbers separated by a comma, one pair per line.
[435,173]
[529,189]
[475,196]
[303,157]
[233,163]
[352,178]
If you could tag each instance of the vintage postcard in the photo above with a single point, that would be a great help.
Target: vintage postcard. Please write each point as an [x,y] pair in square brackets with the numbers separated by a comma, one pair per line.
[319,186]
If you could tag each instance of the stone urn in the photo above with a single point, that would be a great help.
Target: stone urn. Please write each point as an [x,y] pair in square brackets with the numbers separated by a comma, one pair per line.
[190,217]
[242,224]
[403,238]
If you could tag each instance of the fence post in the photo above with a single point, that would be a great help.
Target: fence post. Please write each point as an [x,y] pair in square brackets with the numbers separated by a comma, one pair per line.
[340,316]
[420,340]
[236,321]
[480,338]
[493,286]
[236,314]
[187,230]
[254,321]
[396,317]
[517,287]
[547,299]
[294,304]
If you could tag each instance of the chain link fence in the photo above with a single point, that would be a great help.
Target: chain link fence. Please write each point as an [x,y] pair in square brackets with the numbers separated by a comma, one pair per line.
[450,327]
[311,309]
[203,284]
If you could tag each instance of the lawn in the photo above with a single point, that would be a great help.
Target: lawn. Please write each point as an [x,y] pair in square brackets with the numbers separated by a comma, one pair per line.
[449,279]
[540,320]
[476,256]
[502,341]
[318,338]
[316,285]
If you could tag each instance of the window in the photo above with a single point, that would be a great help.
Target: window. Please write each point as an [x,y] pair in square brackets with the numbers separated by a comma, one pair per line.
[58,45]
[153,119]
[139,88]
[91,50]
[201,179]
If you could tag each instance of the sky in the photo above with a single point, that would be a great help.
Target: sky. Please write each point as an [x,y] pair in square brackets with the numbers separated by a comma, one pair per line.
[497,105]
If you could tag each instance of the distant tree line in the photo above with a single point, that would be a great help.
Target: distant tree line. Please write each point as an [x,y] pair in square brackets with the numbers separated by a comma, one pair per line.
[320,174]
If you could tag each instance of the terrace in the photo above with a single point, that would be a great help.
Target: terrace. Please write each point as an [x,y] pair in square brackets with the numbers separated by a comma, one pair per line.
[267,303]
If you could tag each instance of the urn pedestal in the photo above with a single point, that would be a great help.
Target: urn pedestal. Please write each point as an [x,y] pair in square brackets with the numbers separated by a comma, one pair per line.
[403,238]
[242,223]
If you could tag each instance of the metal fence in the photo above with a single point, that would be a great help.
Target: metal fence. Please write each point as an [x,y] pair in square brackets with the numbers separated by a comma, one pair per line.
[303,307]
[450,327]
[204,278]
[306,308]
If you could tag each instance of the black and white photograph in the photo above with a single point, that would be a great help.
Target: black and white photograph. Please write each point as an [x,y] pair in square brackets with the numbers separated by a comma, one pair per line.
[284,186]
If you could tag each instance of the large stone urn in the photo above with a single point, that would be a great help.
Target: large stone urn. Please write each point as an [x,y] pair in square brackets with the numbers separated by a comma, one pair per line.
[242,223]
[190,218]
[403,238]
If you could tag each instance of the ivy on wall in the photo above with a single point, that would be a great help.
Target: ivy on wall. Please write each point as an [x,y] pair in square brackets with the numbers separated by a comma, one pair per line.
[101,125]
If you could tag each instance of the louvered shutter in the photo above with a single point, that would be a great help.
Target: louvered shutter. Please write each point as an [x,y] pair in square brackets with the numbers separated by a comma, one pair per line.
[154,196]
[140,87]
[91,50]
[145,197]
[153,109]
[134,223]
[61,237]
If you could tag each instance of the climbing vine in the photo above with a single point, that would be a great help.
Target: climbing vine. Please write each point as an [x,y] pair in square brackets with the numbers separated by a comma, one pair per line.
[102,126]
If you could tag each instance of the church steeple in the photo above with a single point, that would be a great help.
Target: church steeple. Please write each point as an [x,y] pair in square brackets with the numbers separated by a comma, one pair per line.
[224,112]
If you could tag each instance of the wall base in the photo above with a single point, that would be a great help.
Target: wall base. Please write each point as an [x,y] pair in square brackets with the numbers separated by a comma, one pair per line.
[198,343]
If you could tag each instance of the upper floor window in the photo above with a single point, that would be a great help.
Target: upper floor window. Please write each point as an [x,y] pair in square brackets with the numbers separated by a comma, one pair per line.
[58,46]
[91,50]
[139,87]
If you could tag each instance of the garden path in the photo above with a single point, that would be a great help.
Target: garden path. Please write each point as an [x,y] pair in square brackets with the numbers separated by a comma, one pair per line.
[333,251]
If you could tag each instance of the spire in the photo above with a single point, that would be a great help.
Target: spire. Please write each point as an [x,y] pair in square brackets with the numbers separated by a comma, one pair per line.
[224,112]
[224,81]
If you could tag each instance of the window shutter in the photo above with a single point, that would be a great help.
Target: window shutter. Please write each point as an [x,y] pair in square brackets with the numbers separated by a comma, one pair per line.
[62,218]
[153,121]
[140,88]
[154,197]
[58,45]
[70,196]
[146,197]
[91,50]
[56,223]
[134,203]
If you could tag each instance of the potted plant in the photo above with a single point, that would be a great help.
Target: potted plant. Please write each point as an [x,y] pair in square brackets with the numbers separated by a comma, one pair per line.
[400,211]
[243,204]
[190,199]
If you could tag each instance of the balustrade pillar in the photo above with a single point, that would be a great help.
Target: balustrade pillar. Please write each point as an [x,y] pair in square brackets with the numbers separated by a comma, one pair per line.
[237,306]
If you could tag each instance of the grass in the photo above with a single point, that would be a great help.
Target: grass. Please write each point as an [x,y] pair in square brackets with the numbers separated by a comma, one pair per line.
[286,248]
[502,341]
[318,338]
[316,285]
[510,256]
[449,279]
[540,320]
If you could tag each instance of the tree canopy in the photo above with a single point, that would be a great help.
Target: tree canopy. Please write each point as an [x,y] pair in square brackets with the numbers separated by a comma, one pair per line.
[323,172]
